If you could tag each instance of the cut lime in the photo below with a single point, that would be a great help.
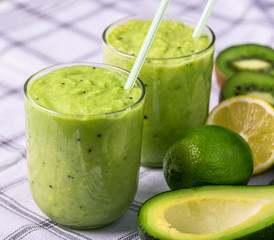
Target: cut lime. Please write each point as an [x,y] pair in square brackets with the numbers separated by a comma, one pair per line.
[253,119]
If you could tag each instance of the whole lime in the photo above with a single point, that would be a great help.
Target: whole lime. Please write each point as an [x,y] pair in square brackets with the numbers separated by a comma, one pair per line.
[208,155]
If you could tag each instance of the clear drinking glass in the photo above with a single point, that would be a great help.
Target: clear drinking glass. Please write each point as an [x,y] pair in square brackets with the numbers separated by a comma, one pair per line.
[83,169]
[178,91]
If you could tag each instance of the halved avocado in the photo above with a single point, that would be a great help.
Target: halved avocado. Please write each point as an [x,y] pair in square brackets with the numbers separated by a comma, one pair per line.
[210,212]
[251,57]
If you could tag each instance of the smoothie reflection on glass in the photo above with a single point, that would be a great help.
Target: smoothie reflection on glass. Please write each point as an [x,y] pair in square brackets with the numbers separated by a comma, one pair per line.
[176,73]
[83,142]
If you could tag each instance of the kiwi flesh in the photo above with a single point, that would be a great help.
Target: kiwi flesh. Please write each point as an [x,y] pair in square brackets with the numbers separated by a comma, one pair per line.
[251,57]
[250,83]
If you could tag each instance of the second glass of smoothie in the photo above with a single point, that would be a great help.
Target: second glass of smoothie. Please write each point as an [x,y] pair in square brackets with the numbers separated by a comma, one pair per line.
[83,142]
[176,73]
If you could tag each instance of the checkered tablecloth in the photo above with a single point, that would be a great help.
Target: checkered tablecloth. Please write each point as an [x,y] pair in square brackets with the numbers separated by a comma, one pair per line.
[39,33]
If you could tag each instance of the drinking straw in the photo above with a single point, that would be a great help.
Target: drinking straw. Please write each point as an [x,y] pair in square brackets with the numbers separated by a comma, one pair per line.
[146,44]
[203,19]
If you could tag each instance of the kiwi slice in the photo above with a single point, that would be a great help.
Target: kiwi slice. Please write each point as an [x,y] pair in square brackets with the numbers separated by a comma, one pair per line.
[250,83]
[252,57]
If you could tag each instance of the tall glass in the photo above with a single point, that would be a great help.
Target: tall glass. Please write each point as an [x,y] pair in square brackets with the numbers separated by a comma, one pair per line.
[178,91]
[83,169]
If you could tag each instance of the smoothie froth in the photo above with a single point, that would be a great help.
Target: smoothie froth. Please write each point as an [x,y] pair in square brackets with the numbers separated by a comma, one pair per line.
[83,90]
[173,39]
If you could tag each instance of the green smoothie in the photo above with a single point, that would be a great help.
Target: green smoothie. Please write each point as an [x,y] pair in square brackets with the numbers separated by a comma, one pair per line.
[83,142]
[176,73]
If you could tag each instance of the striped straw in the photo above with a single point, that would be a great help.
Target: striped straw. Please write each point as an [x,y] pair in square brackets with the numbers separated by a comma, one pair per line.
[203,19]
[146,45]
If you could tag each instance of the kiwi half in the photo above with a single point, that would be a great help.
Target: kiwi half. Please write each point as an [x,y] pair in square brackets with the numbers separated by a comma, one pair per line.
[252,57]
[250,83]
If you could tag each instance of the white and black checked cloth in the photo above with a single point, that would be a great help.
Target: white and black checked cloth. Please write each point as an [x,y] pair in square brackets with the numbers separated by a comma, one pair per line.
[39,33]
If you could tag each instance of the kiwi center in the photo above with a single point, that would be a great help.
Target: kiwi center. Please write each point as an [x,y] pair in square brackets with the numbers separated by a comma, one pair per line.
[263,95]
[253,64]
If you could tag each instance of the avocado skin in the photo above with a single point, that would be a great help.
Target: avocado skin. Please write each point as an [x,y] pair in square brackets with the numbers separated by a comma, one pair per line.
[142,232]
[266,233]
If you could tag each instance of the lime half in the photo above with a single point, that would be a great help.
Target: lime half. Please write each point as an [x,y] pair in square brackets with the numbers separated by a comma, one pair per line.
[253,119]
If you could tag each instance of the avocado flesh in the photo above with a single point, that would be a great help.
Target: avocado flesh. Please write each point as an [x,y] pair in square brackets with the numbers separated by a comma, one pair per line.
[201,216]
[211,212]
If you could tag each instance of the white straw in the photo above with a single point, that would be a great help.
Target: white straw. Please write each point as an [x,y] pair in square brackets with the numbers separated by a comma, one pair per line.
[146,44]
[203,19]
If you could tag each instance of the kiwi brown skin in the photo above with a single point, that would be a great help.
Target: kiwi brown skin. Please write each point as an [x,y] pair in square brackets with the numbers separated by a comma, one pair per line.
[221,78]
[246,51]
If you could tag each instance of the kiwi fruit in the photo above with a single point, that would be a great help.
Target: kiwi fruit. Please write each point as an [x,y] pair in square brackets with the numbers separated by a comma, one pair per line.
[250,83]
[251,57]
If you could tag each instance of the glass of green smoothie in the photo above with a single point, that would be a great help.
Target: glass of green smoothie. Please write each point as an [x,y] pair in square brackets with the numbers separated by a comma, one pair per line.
[83,133]
[177,75]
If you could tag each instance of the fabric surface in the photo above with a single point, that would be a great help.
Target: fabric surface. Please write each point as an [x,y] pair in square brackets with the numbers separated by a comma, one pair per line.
[40,33]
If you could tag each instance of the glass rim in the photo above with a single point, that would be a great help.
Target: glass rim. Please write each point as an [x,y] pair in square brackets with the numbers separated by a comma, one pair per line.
[46,70]
[150,16]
